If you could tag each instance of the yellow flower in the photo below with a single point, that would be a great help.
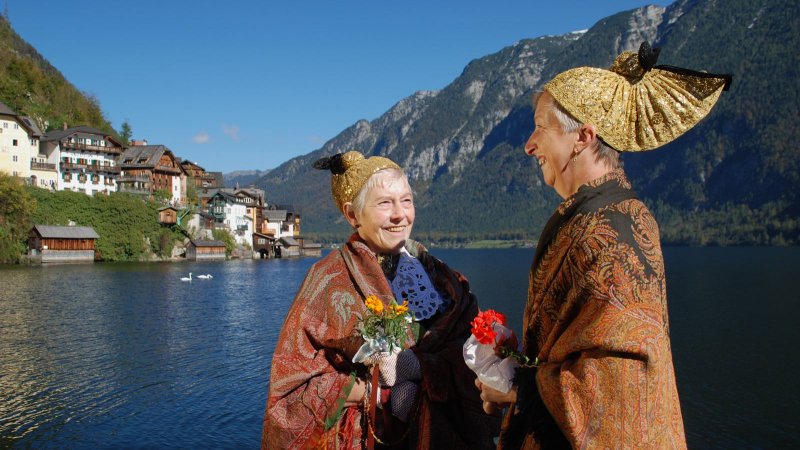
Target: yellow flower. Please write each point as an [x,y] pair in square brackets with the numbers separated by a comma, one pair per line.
[399,310]
[374,304]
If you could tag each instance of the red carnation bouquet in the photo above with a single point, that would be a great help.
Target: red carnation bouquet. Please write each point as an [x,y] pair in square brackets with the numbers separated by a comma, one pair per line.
[492,351]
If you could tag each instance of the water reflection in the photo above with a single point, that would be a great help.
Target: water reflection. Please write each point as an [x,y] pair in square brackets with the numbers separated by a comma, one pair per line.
[127,355]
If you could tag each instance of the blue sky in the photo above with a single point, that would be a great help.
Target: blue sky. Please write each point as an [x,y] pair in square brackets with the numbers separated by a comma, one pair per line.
[242,85]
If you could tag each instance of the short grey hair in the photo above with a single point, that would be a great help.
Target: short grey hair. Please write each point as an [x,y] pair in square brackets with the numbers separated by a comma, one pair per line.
[604,152]
[379,178]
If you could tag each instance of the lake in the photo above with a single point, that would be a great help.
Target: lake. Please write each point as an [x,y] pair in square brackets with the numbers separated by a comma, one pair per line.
[126,355]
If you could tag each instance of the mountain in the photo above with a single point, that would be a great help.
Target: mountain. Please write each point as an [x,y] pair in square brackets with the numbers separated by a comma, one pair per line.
[243,177]
[32,87]
[733,179]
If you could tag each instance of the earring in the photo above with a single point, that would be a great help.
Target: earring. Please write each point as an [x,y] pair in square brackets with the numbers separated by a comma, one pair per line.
[574,155]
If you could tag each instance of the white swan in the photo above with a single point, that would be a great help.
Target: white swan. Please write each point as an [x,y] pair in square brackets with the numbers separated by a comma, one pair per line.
[189,278]
[205,277]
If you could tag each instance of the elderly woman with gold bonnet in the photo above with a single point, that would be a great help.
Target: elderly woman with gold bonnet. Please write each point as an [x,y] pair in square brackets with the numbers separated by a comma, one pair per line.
[425,396]
[595,321]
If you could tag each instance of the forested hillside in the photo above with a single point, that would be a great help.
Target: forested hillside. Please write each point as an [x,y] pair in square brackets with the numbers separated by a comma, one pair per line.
[32,87]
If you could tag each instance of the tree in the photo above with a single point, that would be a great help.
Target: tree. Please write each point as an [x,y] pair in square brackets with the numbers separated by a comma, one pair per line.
[16,207]
[125,133]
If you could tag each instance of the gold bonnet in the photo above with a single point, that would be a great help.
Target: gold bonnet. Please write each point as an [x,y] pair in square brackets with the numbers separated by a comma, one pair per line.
[350,172]
[635,104]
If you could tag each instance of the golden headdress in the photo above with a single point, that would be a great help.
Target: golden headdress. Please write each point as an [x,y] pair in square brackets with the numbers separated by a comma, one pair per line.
[635,104]
[350,172]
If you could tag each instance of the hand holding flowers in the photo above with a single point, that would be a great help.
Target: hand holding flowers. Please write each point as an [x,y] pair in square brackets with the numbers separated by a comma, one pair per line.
[384,328]
[492,351]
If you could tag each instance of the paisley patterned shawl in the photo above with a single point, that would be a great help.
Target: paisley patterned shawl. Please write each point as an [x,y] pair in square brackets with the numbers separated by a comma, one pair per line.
[311,364]
[597,316]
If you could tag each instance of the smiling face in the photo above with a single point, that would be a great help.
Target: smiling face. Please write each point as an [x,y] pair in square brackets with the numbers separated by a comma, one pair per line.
[385,218]
[552,147]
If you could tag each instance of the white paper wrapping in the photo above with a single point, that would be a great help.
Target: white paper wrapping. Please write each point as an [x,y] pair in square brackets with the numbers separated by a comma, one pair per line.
[491,370]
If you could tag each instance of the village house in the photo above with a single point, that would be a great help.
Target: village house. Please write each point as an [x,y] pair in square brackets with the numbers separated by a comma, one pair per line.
[230,212]
[205,250]
[19,150]
[51,243]
[87,159]
[199,178]
[44,165]
[147,169]
[281,222]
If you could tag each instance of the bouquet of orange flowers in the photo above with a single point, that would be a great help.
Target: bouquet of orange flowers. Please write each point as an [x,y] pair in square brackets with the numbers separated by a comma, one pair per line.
[384,329]
[492,351]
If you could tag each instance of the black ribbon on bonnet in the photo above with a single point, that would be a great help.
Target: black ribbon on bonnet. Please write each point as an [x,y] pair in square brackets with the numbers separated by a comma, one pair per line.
[333,163]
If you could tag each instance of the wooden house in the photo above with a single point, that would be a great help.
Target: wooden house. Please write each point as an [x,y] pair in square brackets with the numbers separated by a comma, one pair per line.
[146,169]
[62,244]
[263,245]
[198,177]
[287,247]
[205,250]
[308,248]
[167,215]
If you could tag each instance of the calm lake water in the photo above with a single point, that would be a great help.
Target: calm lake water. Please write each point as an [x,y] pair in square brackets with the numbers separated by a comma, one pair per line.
[128,356]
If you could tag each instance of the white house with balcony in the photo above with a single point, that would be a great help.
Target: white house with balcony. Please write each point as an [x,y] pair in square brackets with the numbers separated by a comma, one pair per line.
[87,159]
[230,212]
[19,149]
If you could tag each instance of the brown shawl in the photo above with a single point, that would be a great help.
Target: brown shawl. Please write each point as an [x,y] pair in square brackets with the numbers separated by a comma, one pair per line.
[311,368]
[597,316]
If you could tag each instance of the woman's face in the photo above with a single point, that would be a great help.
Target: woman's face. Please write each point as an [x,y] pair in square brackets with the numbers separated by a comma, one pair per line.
[552,147]
[387,217]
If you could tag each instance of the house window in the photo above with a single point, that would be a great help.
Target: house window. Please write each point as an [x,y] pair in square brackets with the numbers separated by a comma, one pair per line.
[14,142]
[33,142]
[14,158]
[5,124]
[82,178]
[67,177]
[95,179]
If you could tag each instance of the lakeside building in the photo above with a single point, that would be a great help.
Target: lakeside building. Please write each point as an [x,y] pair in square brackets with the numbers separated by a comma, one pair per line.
[87,159]
[49,243]
[205,251]
[146,169]
[231,212]
[19,150]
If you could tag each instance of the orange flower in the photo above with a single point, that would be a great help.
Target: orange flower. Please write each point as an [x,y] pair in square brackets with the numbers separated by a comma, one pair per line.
[374,304]
[399,310]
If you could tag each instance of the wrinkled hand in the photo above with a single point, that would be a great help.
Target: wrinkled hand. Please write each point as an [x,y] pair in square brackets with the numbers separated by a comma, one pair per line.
[493,399]
[395,368]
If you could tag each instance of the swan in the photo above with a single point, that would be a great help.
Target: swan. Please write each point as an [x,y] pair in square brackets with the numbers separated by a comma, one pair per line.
[189,278]
[205,277]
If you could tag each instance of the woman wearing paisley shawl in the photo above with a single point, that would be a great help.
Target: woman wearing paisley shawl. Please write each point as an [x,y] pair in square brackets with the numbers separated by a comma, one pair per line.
[425,396]
[596,316]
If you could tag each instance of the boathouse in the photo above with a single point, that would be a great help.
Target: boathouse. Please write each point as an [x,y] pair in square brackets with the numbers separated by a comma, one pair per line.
[205,250]
[52,243]
[286,247]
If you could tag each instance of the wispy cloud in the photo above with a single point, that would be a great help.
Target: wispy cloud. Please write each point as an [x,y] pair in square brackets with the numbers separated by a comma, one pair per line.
[201,138]
[231,131]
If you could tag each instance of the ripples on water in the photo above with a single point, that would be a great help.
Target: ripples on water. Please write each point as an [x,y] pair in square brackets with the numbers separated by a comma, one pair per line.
[128,356]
